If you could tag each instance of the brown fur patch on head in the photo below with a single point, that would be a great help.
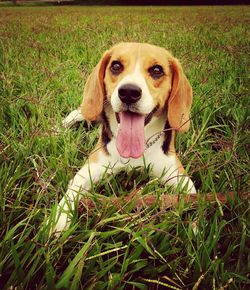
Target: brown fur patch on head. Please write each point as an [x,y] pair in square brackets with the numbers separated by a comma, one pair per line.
[159,88]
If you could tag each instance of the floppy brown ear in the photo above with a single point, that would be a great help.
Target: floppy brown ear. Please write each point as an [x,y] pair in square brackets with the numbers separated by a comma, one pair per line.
[180,100]
[94,91]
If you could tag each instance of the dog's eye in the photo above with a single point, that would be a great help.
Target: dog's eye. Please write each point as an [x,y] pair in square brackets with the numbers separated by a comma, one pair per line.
[116,67]
[156,71]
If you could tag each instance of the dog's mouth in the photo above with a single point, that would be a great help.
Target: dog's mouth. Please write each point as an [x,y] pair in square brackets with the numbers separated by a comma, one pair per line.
[130,141]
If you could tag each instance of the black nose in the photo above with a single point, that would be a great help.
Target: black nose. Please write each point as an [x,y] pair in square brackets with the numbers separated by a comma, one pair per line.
[129,93]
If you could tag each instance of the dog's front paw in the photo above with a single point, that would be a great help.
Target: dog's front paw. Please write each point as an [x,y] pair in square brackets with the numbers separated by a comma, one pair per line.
[186,184]
[191,188]
[58,223]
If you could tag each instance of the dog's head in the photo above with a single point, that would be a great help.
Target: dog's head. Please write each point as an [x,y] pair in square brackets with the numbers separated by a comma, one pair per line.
[138,80]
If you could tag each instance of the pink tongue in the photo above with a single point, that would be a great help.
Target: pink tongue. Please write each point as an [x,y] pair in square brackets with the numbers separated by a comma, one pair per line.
[130,140]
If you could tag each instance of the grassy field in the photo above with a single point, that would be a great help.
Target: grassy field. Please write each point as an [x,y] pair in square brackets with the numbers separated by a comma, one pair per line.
[46,54]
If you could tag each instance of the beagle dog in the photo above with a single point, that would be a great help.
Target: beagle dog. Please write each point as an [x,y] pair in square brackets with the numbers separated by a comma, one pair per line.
[141,97]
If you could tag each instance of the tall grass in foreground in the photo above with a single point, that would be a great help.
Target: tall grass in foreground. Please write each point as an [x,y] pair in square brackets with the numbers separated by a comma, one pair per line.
[45,57]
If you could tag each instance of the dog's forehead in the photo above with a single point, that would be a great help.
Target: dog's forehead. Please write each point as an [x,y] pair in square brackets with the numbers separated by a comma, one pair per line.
[125,48]
[142,51]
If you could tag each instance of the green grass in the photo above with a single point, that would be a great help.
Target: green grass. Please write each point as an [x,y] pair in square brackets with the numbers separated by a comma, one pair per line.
[46,54]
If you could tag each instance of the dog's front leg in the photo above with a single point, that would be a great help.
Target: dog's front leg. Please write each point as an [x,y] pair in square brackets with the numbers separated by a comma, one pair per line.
[82,181]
